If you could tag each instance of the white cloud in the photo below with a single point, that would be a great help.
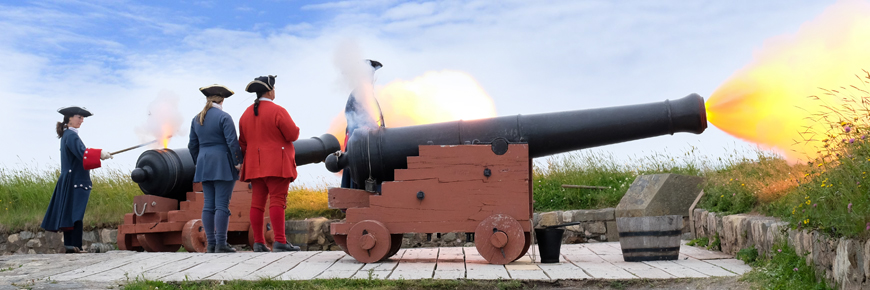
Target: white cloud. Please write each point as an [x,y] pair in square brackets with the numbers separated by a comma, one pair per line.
[531,57]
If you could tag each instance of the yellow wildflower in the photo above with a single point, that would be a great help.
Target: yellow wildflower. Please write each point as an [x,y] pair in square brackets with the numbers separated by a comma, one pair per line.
[806,221]
[722,195]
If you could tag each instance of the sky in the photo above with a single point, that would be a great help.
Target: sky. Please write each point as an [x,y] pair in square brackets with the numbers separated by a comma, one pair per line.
[116,57]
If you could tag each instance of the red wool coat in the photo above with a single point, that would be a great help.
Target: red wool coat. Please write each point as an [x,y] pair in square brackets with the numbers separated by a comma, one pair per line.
[267,142]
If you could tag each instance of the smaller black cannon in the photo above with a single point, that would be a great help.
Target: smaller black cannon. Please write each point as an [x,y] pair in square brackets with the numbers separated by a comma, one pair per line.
[169,172]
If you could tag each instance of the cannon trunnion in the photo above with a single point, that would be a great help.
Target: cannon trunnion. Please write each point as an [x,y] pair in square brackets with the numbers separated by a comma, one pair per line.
[475,176]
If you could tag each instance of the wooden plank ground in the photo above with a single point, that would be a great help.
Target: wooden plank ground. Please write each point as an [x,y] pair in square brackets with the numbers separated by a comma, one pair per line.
[602,261]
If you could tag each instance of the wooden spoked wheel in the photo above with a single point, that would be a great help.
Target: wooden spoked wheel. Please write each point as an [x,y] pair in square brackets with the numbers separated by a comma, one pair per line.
[499,239]
[369,241]
[125,243]
[268,234]
[396,241]
[153,242]
[341,241]
[528,236]
[193,236]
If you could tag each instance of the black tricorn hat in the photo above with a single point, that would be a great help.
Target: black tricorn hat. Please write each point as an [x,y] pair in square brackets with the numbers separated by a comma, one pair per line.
[72,111]
[375,64]
[216,90]
[261,84]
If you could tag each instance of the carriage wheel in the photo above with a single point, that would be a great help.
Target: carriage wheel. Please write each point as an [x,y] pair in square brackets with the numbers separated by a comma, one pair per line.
[528,244]
[341,241]
[153,242]
[396,241]
[268,234]
[125,243]
[499,239]
[193,236]
[369,241]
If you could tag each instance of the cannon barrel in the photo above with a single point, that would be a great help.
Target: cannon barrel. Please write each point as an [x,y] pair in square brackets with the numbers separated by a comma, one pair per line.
[376,153]
[169,172]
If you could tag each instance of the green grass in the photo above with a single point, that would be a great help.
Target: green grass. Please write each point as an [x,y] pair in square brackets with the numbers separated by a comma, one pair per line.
[25,194]
[785,270]
[328,284]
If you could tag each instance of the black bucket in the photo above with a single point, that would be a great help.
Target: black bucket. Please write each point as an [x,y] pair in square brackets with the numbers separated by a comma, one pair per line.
[549,243]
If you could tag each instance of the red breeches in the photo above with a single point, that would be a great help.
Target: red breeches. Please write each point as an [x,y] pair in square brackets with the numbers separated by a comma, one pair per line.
[275,189]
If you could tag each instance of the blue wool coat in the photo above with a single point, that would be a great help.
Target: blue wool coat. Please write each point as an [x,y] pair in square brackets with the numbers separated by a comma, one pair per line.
[214,147]
[70,197]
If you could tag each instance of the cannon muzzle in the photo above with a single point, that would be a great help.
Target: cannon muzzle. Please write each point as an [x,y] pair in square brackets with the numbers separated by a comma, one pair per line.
[375,153]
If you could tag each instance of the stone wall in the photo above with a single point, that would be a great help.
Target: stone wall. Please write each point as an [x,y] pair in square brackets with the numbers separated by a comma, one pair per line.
[27,242]
[597,225]
[842,262]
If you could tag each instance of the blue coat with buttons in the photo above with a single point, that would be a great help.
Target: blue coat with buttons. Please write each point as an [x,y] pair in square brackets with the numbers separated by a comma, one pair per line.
[70,197]
[214,147]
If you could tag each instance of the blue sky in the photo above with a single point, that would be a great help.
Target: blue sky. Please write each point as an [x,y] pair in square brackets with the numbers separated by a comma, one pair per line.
[115,57]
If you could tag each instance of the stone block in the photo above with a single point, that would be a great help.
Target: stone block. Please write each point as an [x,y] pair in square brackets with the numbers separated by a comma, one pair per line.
[824,252]
[13,238]
[605,214]
[109,236]
[866,258]
[595,228]
[39,235]
[848,266]
[33,243]
[296,232]
[89,236]
[549,219]
[659,195]
[612,232]
[26,235]
[567,216]
[536,219]
[316,231]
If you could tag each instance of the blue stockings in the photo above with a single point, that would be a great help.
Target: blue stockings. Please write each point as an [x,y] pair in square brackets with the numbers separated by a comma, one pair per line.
[215,210]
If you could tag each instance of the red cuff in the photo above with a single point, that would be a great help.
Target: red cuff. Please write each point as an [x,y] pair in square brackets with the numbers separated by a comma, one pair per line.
[92,158]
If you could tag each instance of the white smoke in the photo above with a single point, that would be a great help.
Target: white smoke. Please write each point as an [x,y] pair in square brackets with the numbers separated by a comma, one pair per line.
[163,121]
[357,76]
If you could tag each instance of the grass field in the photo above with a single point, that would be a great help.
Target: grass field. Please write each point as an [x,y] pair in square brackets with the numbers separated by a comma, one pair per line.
[25,194]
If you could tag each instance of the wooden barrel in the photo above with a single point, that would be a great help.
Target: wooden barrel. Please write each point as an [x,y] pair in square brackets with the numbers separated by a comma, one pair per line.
[650,238]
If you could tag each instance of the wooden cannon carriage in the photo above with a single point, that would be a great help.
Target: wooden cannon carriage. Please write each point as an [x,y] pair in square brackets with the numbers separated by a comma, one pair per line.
[451,188]
[160,224]
[474,176]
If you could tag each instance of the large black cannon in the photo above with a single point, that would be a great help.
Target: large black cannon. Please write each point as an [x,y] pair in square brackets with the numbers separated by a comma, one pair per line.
[169,172]
[375,154]
[474,176]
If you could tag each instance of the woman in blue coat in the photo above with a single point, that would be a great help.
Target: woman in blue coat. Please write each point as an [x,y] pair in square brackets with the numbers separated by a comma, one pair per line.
[214,147]
[70,198]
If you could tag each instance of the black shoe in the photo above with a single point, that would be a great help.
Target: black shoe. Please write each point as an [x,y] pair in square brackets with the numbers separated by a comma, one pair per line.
[209,248]
[225,248]
[258,247]
[72,250]
[281,247]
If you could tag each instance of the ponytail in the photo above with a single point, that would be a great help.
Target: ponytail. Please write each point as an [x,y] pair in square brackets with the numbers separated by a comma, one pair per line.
[257,102]
[210,100]
[62,126]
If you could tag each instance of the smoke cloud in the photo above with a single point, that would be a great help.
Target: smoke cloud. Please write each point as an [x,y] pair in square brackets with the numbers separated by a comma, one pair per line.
[164,119]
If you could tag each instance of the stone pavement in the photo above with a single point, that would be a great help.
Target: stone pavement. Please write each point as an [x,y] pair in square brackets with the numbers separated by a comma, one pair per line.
[578,261]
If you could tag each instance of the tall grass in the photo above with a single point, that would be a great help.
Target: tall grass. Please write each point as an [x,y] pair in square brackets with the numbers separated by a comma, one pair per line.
[25,194]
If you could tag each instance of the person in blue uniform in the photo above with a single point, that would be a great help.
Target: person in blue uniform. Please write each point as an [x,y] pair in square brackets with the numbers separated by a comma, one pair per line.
[66,210]
[214,147]
[357,116]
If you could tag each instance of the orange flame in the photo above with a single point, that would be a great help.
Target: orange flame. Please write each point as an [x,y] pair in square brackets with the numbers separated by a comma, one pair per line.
[434,97]
[768,102]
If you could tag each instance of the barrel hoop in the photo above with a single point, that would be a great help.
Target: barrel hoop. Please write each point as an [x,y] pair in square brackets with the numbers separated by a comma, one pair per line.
[640,250]
[651,233]
[650,258]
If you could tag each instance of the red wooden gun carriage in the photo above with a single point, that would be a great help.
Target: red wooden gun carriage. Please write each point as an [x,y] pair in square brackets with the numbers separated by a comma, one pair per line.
[474,176]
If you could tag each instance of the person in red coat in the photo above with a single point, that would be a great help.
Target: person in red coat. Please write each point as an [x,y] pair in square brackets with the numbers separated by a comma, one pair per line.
[266,135]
